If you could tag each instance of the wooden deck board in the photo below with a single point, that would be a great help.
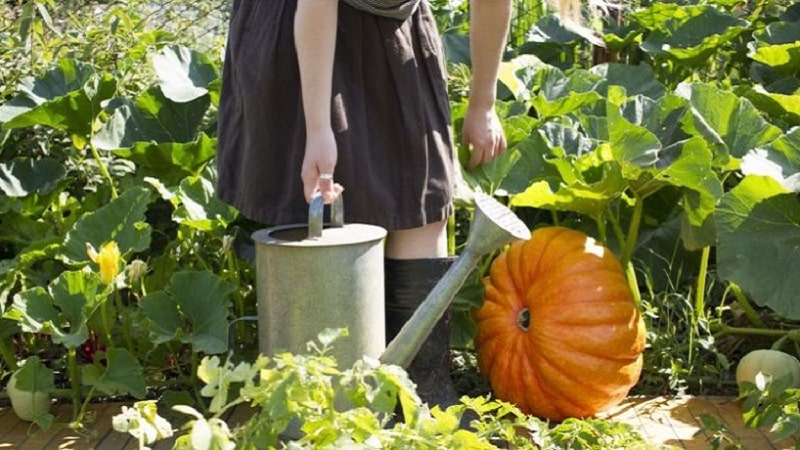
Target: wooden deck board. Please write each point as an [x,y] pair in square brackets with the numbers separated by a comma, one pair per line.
[663,421]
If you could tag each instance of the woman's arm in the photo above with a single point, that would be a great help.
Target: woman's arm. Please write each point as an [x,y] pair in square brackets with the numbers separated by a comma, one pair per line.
[488,33]
[315,41]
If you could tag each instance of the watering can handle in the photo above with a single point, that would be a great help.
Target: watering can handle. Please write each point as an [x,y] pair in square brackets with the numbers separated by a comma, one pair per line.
[315,213]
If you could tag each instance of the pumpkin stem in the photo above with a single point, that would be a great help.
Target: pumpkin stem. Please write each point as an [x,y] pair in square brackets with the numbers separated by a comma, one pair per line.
[524,319]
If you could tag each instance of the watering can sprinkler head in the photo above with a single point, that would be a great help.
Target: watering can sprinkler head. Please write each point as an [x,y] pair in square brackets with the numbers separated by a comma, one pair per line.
[492,227]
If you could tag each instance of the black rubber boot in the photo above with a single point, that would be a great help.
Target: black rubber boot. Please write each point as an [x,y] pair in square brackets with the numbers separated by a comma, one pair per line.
[408,282]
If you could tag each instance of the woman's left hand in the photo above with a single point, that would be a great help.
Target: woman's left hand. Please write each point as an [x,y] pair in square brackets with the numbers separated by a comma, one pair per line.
[483,135]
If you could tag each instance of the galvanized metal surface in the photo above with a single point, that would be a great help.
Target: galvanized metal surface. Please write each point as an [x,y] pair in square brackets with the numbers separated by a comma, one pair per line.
[305,285]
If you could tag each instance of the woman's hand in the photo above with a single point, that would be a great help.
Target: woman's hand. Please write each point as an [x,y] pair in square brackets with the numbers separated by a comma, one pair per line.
[483,135]
[318,165]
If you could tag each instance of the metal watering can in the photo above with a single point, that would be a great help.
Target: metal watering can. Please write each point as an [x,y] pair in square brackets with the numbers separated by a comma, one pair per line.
[311,277]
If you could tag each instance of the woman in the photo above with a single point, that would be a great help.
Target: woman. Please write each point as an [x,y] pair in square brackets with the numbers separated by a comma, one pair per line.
[319,95]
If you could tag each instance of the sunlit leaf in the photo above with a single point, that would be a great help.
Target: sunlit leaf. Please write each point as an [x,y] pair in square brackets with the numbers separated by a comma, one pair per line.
[67,97]
[184,74]
[200,208]
[727,120]
[636,79]
[121,220]
[24,176]
[777,46]
[690,34]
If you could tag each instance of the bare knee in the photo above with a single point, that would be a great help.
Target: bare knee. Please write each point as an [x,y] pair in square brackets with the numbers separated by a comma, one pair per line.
[429,241]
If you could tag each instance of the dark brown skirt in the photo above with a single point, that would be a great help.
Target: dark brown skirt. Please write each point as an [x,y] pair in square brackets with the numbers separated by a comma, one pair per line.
[390,114]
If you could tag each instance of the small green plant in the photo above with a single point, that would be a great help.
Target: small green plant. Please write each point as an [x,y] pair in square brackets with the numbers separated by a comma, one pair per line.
[719,435]
[773,405]
[305,401]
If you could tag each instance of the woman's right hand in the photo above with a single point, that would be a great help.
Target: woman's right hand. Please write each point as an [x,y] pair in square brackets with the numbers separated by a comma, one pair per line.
[320,158]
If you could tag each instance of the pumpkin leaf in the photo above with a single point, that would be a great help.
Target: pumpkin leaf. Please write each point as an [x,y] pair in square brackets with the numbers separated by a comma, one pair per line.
[727,120]
[21,177]
[121,220]
[184,74]
[60,311]
[194,303]
[34,376]
[116,372]
[650,164]
[199,206]
[689,34]
[560,94]
[67,97]
[33,309]
[758,227]
[637,80]
[171,161]
[164,316]
[153,118]
[783,107]
[778,46]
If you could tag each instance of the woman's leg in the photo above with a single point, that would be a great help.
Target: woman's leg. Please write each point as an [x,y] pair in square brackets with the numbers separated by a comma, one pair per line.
[429,241]
[416,261]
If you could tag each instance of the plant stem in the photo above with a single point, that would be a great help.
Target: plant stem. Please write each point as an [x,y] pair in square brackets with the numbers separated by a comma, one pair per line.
[104,313]
[103,169]
[748,309]
[633,230]
[85,403]
[75,381]
[700,295]
[630,273]
[126,323]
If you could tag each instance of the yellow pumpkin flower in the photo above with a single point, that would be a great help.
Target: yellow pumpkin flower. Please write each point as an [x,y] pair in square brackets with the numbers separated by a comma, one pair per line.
[107,259]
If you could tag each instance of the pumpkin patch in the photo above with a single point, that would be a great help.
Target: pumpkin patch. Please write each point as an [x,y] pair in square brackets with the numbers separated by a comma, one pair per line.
[559,333]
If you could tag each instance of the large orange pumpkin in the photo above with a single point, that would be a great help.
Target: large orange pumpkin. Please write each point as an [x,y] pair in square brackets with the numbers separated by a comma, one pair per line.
[559,334]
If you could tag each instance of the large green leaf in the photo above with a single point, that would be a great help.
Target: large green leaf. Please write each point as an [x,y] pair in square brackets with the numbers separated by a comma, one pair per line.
[120,373]
[777,46]
[540,152]
[636,79]
[727,120]
[67,97]
[24,176]
[199,206]
[184,74]
[690,34]
[650,164]
[34,310]
[758,229]
[34,376]
[782,107]
[60,311]
[196,304]
[153,118]
[780,161]
[163,313]
[590,199]
[121,220]
[560,94]
[171,161]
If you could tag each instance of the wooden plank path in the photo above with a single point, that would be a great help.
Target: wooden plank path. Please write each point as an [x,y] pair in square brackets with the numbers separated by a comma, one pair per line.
[668,422]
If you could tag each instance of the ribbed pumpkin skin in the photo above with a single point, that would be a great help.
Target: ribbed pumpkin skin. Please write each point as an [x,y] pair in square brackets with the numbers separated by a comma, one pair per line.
[582,351]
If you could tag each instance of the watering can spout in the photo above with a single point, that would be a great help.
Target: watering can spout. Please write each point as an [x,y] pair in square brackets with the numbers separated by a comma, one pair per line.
[492,227]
